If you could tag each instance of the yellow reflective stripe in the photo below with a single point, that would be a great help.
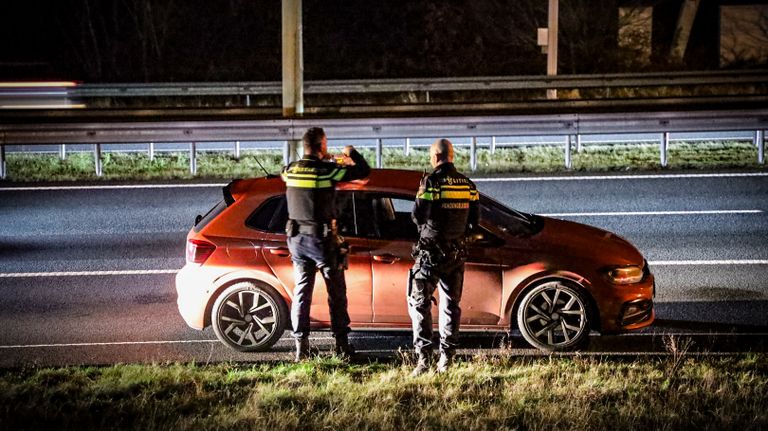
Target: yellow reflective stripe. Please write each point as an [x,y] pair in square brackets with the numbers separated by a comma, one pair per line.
[339,175]
[474,196]
[292,175]
[459,187]
[427,196]
[329,175]
[308,184]
[446,194]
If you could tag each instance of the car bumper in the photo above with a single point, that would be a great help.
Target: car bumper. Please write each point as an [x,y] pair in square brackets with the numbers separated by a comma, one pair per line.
[193,289]
[627,308]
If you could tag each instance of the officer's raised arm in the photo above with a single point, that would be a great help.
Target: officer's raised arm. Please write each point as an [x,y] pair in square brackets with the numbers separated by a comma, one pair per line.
[359,169]
[424,199]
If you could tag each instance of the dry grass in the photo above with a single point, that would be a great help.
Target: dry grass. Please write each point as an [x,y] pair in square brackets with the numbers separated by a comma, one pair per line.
[490,392]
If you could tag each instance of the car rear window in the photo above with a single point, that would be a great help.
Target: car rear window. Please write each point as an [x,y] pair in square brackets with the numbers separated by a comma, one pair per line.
[210,215]
[271,216]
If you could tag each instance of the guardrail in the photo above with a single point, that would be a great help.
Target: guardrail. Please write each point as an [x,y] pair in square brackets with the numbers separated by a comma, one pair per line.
[570,127]
[417,90]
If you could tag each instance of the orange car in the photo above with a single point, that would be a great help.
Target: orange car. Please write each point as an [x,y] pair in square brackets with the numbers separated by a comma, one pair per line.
[553,280]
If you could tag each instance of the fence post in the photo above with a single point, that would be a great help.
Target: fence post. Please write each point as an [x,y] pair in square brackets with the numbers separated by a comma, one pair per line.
[193,158]
[407,146]
[290,151]
[473,154]
[568,152]
[63,152]
[664,143]
[151,151]
[237,150]
[97,159]
[379,161]
[760,141]
[578,143]
[493,145]
[2,162]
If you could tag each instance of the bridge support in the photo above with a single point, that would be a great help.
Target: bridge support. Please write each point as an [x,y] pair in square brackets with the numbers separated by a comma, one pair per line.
[293,62]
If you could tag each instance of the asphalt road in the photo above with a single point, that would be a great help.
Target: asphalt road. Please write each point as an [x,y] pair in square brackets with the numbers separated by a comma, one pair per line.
[705,236]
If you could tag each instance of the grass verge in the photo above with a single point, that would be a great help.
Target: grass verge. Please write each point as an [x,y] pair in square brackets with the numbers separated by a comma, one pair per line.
[223,166]
[479,393]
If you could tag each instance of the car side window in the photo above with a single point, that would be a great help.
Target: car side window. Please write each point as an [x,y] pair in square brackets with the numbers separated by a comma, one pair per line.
[386,216]
[272,215]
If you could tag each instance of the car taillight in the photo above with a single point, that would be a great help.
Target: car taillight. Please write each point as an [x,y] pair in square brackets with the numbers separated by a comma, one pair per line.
[198,251]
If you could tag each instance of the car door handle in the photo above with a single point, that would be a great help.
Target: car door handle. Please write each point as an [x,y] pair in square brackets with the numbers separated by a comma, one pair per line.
[279,251]
[385,258]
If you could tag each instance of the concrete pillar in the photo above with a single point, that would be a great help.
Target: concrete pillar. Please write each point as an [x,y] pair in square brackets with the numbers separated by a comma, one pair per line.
[552,25]
[683,29]
[293,62]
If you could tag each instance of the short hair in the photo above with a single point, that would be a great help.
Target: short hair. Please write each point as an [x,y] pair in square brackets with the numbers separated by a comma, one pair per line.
[443,148]
[313,139]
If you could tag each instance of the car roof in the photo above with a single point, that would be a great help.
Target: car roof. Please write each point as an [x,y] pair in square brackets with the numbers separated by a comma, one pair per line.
[388,180]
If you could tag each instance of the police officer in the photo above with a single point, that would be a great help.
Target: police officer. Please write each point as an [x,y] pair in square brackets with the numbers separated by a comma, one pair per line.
[312,236]
[446,208]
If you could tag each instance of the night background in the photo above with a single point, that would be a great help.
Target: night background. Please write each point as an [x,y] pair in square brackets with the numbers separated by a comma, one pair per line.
[235,40]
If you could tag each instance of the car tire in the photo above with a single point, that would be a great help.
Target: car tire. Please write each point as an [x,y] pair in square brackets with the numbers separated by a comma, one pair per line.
[249,316]
[555,316]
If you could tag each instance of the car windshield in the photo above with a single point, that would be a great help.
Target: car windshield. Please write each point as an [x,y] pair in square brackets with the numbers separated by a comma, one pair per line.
[508,220]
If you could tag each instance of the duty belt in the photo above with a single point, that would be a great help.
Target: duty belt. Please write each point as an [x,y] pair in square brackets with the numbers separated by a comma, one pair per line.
[295,227]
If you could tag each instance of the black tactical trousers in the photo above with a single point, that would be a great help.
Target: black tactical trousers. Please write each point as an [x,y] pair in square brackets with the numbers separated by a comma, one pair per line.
[430,273]
[310,253]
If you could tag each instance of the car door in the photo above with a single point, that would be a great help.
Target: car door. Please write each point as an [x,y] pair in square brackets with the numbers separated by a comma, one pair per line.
[358,276]
[391,236]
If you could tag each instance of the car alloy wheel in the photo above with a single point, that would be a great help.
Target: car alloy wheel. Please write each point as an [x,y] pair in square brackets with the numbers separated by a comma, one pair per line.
[554,316]
[249,317]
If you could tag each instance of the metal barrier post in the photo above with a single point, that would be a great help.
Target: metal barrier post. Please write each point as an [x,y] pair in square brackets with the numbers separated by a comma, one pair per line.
[97,159]
[151,151]
[237,150]
[578,143]
[473,154]
[407,146]
[664,143]
[193,158]
[290,153]
[3,172]
[568,152]
[760,141]
[493,145]
[63,152]
[379,145]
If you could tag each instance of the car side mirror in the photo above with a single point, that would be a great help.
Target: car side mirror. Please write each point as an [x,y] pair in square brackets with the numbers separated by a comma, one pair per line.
[198,219]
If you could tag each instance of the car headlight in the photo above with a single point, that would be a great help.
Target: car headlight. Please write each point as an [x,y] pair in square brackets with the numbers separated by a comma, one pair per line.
[626,275]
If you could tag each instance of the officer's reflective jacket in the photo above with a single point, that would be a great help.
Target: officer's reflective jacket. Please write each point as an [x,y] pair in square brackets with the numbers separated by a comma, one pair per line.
[311,186]
[446,204]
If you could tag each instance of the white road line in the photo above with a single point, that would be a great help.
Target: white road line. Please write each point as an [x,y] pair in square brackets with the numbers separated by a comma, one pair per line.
[706,262]
[129,343]
[112,187]
[620,177]
[480,180]
[646,213]
[173,271]
[87,273]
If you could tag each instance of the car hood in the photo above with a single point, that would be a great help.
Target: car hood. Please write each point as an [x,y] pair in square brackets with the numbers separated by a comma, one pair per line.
[580,240]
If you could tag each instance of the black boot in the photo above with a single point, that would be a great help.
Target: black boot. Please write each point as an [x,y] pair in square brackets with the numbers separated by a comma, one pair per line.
[302,349]
[423,362]
[343,348]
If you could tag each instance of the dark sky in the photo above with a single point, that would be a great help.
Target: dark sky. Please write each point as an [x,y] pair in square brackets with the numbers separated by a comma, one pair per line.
[239,40]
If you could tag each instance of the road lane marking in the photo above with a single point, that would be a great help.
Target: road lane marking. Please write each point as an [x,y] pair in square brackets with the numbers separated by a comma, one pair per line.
[112,187]
[707,262]
[620,177]
[647,213]
[174,271]
[480,180]
[87,273]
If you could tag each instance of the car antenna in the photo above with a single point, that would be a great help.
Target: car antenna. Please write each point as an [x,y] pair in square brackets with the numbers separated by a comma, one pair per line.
[263,169]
